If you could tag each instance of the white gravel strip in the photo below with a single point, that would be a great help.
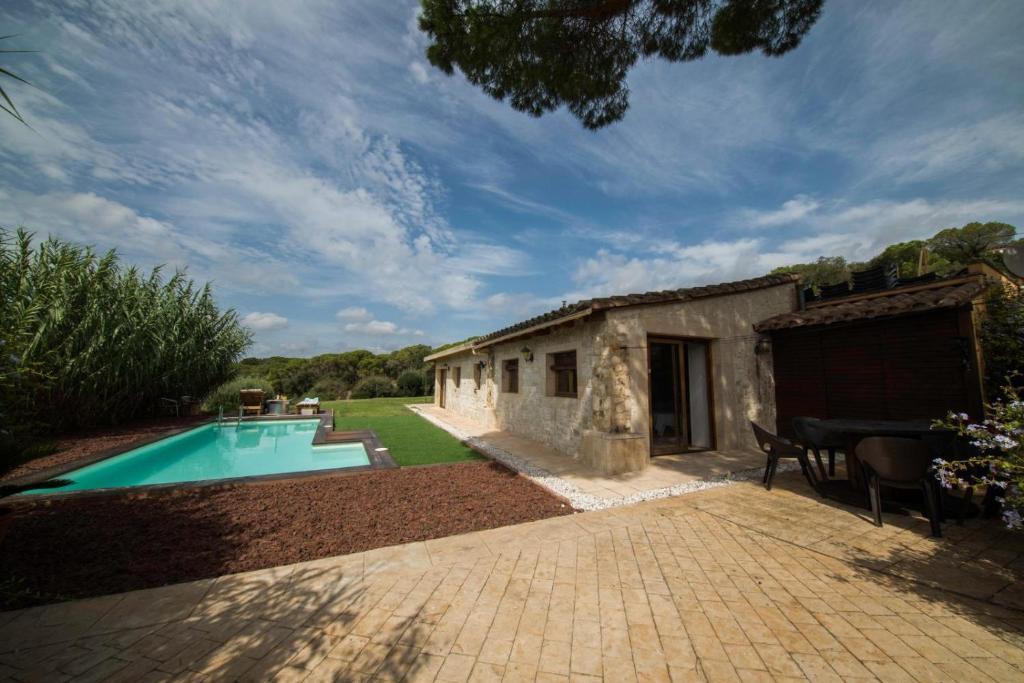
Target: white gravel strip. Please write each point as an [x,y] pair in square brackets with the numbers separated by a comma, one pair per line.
[584,501]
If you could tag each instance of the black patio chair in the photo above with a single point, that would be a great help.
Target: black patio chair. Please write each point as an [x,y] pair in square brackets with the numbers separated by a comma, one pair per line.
[776,448]
[812,436]
[903,464]
[170,405]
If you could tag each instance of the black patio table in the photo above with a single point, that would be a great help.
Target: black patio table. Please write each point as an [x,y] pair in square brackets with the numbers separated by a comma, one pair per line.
[851,432]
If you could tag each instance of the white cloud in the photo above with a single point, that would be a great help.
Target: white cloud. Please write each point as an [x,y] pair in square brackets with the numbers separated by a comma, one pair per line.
[608,273]
[263,322]
[353,313]
[419,72]
[854,231]
[93,219]
[860,231]
[318,199]
[381,328]
[321,196]
[88,218]
[523,204]
[988,146]
[490,259]
[791,211]
[373,327]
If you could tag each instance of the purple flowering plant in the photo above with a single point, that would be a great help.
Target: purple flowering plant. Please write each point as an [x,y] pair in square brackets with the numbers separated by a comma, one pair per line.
[999,440]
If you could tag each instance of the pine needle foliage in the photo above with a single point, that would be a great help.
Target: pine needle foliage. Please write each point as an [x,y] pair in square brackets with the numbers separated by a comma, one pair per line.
[86,341]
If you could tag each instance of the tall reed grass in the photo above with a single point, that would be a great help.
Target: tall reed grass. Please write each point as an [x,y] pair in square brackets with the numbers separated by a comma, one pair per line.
[85,340]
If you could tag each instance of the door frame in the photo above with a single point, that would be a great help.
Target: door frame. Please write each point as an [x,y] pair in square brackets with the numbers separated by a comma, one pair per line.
[683,404]
[442,381]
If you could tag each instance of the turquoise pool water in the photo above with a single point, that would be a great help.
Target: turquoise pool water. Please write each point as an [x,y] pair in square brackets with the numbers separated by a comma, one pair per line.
[218,452]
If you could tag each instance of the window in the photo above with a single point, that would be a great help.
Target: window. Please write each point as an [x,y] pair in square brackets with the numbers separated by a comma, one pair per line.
[457,377]
[478,373]
[562,374]
[510,376]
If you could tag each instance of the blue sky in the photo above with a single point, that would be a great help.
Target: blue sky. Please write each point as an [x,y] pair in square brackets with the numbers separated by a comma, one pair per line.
[341,193]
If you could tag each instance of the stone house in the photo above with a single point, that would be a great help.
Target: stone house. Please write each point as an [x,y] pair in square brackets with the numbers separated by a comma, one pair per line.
[613,381]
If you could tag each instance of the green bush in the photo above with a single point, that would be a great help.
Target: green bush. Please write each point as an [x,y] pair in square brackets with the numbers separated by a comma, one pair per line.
[410,383]
[227,396]
[375,387]
[1002,342]
[85,341]
[329,389]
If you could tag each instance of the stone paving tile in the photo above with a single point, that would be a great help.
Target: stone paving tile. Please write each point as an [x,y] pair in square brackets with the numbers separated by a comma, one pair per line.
[730,584]
[662,473]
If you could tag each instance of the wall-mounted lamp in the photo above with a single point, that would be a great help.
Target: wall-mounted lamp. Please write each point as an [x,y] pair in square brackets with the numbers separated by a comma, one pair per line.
[527,354]
[763,346]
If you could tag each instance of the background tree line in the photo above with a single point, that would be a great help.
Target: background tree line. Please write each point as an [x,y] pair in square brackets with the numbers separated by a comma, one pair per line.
[349,374]
[359,373]
[945,253]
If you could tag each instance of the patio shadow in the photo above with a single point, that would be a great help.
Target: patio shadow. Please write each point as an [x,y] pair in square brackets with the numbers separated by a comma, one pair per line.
[288,621]
[980,560]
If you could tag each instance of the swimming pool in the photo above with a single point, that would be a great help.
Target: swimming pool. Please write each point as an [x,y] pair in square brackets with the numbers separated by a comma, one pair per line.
[218,451]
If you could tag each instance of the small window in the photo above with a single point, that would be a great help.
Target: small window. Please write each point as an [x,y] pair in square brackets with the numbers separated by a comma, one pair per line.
[510,376]
[563,373]
[457,377]
[478,373]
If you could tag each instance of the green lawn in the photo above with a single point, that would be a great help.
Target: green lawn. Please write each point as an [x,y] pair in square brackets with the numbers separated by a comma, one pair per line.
[411,439]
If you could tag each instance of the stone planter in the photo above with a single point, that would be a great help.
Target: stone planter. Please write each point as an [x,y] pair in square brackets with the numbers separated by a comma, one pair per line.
[614,453]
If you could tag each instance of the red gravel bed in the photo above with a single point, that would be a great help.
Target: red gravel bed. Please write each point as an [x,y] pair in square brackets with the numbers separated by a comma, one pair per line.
[80,445]
[93,546]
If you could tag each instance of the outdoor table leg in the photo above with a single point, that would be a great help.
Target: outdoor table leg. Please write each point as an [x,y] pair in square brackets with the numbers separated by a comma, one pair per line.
[854,472]
[853,469]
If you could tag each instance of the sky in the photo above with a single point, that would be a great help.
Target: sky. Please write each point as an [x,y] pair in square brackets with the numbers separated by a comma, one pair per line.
[341,193]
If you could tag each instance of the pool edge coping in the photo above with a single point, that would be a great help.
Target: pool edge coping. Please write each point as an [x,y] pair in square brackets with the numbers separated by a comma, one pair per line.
[378,454]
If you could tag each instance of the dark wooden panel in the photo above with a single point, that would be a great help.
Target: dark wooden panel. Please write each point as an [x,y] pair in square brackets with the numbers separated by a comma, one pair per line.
[901,368]
[926,368]
[854,372]
[799,379]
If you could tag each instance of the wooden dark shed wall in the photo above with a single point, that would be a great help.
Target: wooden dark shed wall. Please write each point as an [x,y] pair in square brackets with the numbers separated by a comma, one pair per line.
[910,367]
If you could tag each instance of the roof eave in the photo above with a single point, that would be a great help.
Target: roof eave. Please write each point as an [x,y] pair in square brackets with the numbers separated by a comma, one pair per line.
[473,347]
[533,329]
[791,321]
[451,351]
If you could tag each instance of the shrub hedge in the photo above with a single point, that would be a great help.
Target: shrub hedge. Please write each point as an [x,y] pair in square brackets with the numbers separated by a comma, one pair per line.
[85,340]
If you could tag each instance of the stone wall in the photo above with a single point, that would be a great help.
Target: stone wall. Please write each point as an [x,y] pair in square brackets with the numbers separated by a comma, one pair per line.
[466,399]
[742,381]
[612,399]
[555,421]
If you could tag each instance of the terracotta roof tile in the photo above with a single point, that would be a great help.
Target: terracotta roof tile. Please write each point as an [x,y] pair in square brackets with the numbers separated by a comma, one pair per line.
[670,295]
[891,302]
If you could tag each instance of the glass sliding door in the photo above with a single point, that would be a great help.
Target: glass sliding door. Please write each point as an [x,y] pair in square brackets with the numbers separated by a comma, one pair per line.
[680,399]
[667,424]
[698,401]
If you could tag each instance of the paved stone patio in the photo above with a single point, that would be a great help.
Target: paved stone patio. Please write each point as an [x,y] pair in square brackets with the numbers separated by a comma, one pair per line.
[665,471]
[729,584]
